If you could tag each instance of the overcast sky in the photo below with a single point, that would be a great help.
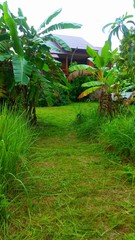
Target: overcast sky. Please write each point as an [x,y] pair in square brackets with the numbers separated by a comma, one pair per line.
[92,14]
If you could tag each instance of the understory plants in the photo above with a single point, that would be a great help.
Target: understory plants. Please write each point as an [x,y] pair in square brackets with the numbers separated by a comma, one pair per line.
[116,134]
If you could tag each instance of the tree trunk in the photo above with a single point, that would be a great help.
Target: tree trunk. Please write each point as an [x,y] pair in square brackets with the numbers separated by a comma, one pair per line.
[106,105]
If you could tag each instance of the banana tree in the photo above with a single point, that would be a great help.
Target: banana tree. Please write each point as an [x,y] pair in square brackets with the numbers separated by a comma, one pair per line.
[105,75]
[26,54]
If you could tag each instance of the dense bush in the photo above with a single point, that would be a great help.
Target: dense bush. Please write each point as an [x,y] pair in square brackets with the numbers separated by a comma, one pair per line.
[76,88]
[61,98]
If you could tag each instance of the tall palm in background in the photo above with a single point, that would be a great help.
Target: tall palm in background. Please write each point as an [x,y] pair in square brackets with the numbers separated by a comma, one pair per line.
[119,26]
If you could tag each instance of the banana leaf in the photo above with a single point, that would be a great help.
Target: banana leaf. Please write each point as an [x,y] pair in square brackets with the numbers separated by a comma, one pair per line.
[80,67]
[50,18]
[61,25]
[79,73]
[88,91]
[13,29]
[92,84]
[59,41]
[22,70]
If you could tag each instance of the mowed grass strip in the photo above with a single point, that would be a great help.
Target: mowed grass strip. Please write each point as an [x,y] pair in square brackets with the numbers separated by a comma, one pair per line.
[76,189]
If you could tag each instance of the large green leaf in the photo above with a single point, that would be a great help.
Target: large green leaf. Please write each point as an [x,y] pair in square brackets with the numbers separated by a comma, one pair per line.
[13,29]
[105,49]
[22,70]
[80,67]
[88,91]
[50,18]
[92,53]
[105,53]
[61,25]
[59,41]
[97,60]
[92,84]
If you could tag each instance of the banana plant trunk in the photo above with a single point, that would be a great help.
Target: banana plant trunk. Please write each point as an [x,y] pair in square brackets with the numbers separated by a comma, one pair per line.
[106,105]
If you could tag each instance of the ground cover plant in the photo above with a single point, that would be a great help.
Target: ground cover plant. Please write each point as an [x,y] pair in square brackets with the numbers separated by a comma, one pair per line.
[76,189]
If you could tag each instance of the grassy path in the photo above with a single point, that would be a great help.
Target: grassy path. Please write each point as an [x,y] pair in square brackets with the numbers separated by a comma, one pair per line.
[76,189]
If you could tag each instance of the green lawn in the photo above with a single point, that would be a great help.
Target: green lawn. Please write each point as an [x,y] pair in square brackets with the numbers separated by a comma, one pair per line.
[76,190]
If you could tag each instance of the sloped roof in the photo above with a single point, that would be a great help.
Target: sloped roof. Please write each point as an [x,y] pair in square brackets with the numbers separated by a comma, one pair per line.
[76,42]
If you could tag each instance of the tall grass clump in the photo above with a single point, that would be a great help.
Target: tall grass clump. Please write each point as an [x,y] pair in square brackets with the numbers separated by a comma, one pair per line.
[16,137]
[119,135]
[88,123]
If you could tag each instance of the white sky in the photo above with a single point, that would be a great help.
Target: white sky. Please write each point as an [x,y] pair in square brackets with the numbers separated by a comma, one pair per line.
[92,14]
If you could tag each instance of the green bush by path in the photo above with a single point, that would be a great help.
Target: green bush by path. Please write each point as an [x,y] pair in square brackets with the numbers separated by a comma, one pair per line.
[88,123]
[119,135]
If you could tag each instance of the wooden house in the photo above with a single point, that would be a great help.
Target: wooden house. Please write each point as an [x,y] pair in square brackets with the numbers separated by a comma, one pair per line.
[77,54]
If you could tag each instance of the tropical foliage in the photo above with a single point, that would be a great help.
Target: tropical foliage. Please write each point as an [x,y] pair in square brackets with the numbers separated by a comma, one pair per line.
[26,64]
[119,26]
[126,59]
